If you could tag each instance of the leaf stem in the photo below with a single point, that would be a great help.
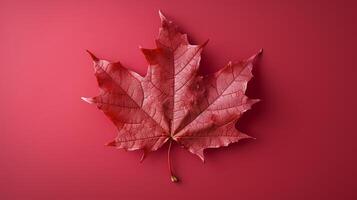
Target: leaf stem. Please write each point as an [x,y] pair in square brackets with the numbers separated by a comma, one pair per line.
[174,179]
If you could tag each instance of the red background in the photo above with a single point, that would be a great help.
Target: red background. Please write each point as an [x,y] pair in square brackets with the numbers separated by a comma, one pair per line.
[52,143]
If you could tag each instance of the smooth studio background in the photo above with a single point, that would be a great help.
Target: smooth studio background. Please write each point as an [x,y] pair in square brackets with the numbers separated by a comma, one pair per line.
[52,143]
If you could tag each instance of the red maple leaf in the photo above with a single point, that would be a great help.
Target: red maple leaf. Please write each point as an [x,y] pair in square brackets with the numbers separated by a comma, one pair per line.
[173,102]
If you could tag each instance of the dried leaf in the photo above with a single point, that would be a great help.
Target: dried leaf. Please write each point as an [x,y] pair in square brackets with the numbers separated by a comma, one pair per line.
[173,102]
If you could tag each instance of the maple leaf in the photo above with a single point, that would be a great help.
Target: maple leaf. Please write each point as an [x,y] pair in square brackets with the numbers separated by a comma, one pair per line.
[173,102]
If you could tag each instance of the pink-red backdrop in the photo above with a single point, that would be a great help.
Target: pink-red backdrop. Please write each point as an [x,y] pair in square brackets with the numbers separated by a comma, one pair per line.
[52,143]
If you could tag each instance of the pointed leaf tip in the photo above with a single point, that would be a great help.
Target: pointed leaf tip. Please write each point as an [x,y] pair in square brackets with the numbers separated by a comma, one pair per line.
[245,136]
[111,144]
[205,43]
[162,16]
[88,100]
[259,52]
[200,154]
[92,55]
[254,101]
[143,156]
[255,56]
